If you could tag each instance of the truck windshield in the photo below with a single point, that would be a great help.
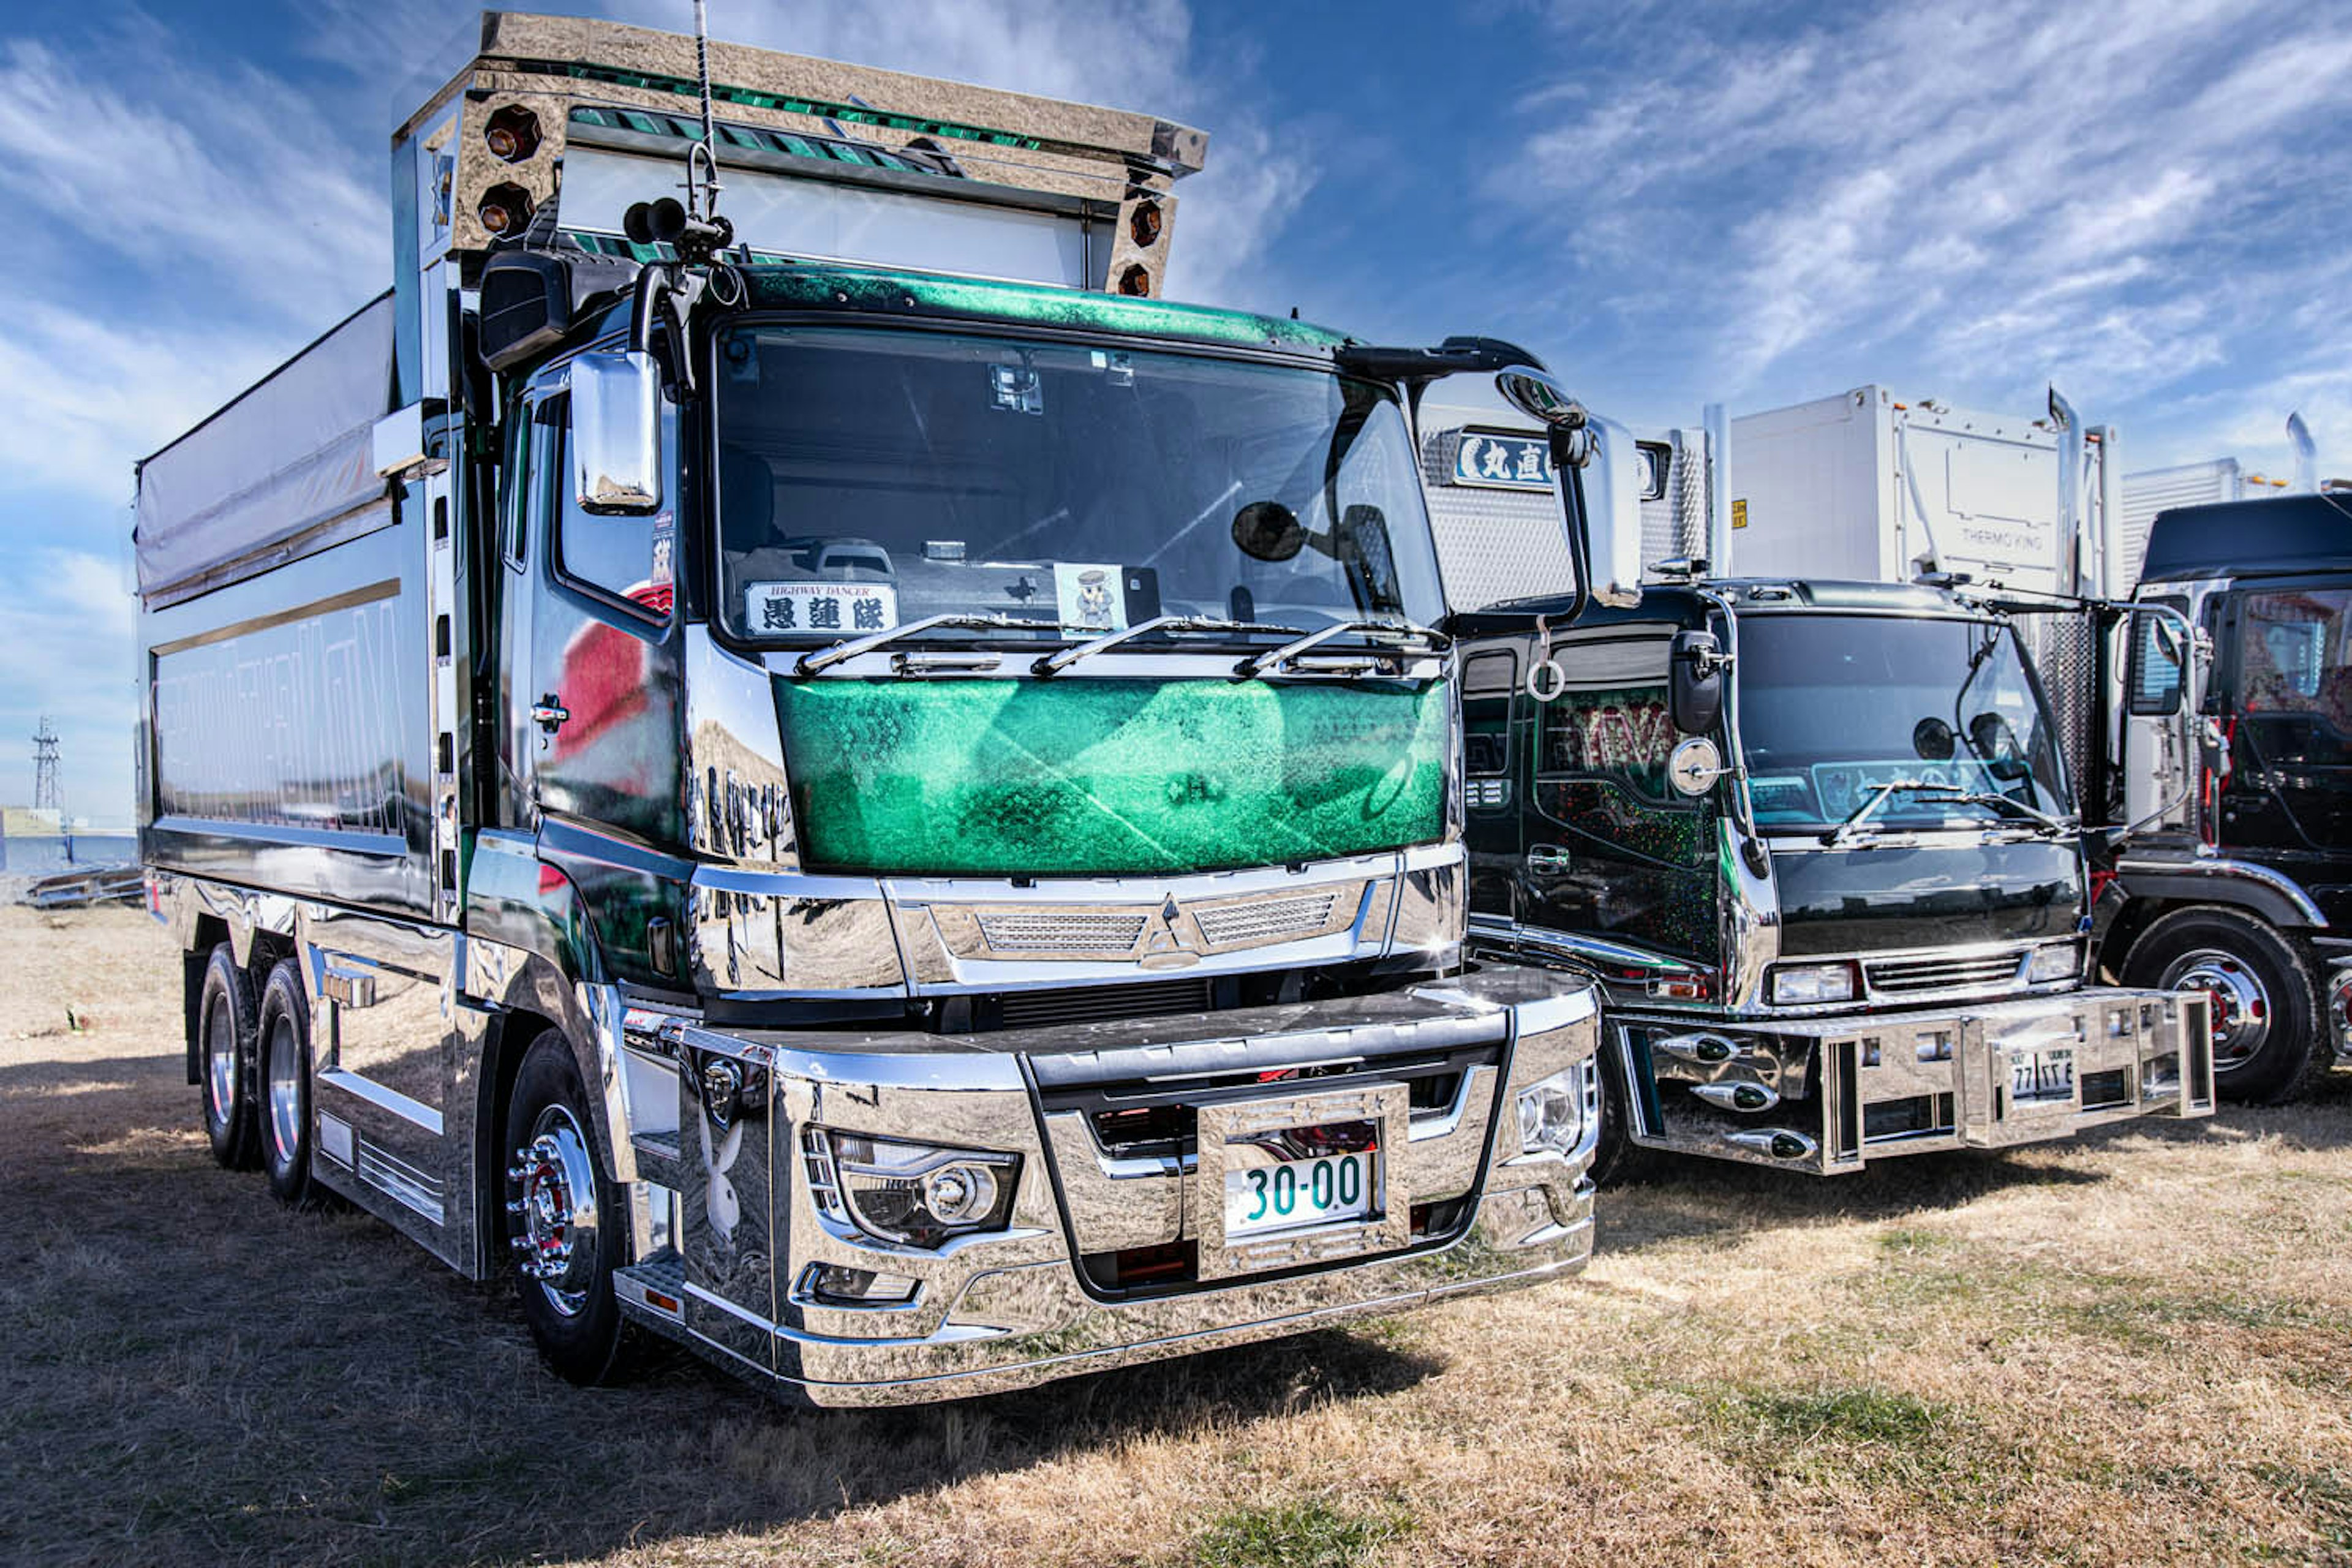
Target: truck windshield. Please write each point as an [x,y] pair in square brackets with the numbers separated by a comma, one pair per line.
[871,478]
[1831,707]
[2295,661]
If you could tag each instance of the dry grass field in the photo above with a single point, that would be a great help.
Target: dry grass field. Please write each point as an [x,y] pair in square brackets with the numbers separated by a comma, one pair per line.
[2135,1350]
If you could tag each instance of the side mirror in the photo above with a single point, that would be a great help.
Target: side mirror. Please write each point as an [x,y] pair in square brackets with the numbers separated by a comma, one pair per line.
[616,461]
[2156,667]
[1605,524]
[1695,683]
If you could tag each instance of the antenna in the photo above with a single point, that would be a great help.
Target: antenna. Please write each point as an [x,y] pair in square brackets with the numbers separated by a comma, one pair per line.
[703,203]
[46,791]
[693,228]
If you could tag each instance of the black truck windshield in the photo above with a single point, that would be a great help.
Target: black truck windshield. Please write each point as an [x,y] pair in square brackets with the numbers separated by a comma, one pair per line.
[870,477]
[1833,707]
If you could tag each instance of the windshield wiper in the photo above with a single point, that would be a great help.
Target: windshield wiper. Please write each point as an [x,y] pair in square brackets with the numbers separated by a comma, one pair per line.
[1972,798]
[1407,639]
[811,663]
[1932,793]
[1878,797]
[1055,663]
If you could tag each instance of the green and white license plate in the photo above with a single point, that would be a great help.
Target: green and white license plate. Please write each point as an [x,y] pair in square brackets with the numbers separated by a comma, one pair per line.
[1283,1180]
[2041,1078]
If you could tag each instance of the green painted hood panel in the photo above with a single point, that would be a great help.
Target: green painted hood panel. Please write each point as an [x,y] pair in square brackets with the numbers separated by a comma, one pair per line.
[1096,778]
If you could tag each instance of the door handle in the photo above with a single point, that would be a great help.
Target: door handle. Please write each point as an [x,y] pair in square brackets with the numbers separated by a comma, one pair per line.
[1546,858]
[549,713]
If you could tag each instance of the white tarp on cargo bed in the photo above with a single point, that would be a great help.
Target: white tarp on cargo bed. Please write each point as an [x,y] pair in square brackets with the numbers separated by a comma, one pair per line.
[288,456]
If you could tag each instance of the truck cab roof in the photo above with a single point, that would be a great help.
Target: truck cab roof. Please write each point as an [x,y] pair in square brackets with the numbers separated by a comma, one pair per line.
[2262,536]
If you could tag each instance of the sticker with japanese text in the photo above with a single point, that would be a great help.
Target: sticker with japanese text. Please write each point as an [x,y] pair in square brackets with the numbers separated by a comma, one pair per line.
[1495,459]
[852,609]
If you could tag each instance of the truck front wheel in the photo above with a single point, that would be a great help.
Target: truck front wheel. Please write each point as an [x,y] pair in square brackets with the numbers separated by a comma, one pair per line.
[225,1033]
[566,1219]
[2269,1042]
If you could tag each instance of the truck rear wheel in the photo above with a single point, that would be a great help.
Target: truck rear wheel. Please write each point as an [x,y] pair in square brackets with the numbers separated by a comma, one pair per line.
[567,1221]
[225,1034]
[284,1086]
[2269,1039]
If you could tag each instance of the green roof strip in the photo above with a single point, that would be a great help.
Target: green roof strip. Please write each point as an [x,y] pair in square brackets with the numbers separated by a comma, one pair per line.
[1037,304]
[816,109]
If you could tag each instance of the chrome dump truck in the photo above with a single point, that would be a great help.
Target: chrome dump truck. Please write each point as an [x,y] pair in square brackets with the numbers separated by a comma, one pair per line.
[1816,839]
[831,779]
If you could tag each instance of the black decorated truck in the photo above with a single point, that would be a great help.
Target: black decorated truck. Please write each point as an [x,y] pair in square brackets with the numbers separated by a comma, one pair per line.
[2226,868]
[818,773]
[1814,839]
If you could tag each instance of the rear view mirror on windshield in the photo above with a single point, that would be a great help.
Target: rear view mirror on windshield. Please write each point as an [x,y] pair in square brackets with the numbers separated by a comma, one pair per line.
[1268,530]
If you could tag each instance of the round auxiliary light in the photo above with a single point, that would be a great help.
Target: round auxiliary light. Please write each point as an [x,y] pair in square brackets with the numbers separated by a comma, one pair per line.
[1136,280]
[512,134]
[505,210]
[1146,223]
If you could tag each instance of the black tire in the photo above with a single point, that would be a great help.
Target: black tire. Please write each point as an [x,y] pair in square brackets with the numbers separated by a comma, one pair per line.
[574,1318]
[226,1030]
[282,1085]
[2270,1039]
[1617,1159]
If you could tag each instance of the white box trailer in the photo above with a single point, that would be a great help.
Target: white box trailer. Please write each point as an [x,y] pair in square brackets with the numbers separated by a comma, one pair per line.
[1870,486]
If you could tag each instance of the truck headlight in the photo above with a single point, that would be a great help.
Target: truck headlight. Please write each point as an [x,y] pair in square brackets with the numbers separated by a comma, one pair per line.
[2339,1008]
[2058,961]
[917,1194]
[1551,1114]
[1798,984]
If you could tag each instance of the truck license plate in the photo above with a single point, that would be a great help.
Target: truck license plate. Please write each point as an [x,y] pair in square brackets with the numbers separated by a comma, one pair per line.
[1301,1176]
[2041,1077]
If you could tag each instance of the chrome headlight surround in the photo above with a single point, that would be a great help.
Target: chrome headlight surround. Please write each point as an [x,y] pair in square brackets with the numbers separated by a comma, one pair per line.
[1811,984]
[909,1194]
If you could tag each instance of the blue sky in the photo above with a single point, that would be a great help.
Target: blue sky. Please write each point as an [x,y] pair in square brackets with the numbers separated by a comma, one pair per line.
[1673,203]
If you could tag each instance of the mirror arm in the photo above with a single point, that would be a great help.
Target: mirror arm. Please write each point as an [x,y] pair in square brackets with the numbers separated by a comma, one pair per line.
[657,284]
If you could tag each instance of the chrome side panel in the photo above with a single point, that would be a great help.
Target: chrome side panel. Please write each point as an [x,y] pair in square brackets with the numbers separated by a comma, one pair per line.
[739,802]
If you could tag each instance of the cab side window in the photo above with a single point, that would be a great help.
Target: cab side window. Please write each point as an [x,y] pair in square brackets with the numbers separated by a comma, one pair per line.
[1611,718]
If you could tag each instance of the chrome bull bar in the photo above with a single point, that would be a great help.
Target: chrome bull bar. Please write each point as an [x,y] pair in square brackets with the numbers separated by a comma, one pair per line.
[1829,1094]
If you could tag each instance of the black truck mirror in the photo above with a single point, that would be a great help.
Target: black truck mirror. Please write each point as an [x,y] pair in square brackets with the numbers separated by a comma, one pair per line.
[2156,667]
[1695,684]
[1604,528]
[617,432]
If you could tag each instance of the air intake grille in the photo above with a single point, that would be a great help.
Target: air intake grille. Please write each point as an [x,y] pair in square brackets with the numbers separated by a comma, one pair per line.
[1053,931]
[1898,976]
[1044,1009]
[1269,920]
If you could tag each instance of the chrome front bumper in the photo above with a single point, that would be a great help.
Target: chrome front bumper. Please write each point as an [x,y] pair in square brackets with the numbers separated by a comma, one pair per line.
[1829,1094]
[1110,1256]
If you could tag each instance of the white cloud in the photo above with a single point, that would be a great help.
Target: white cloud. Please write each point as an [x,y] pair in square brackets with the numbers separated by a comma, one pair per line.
[1981,197]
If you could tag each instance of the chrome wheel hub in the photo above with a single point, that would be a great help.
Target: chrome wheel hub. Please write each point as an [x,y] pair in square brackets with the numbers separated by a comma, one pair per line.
[220,1064]
[551,1210]
[2242,1008]
[285,1073]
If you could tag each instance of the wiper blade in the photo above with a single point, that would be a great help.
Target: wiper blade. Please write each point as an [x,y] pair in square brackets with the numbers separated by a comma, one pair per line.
[811,663]
[1055,663]
[1406,638]
[1972,798]
[1878,796]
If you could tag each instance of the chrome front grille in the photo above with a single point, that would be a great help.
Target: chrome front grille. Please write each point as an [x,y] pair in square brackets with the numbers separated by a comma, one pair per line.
[1904,976]
[1265,920]
[1062,931]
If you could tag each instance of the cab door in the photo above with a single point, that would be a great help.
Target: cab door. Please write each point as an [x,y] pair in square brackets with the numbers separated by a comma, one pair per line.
[1611,849]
